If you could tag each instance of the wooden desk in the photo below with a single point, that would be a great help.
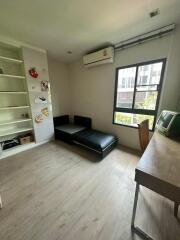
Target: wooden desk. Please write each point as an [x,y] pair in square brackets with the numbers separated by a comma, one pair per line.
[159,170]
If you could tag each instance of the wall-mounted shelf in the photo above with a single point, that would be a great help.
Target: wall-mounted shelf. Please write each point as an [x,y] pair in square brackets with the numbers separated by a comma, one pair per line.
[13,60]
[12,76]
[17,107]
[15,121]
[14,131]
[12,92]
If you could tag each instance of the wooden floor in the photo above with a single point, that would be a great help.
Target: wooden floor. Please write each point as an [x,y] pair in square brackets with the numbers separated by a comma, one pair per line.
[58,192]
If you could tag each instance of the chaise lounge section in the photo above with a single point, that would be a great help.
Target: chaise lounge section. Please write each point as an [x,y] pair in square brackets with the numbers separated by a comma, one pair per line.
[81,133]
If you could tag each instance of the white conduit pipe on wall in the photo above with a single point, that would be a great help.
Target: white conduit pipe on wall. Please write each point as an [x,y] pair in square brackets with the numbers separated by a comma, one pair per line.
[158,33]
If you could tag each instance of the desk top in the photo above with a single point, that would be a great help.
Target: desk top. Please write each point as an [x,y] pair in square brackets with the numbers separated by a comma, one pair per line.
[160,165]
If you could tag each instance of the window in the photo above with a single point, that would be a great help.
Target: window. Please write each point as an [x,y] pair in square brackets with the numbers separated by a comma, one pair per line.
[137,93]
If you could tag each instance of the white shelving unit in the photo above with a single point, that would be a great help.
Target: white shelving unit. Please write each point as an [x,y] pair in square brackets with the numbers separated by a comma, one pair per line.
[14,131]
[15,114]
[6,92]
[15,121]
[7,59]
[11,76]
[11,108]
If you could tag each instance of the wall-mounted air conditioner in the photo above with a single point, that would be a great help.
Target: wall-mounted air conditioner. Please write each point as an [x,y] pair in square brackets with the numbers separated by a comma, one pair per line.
[102,56]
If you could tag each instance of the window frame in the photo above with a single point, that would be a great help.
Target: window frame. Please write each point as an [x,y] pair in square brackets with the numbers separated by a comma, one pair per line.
[139,111]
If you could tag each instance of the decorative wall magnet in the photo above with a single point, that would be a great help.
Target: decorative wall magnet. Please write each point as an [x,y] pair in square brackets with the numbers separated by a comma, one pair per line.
[33,73]
[45,112]
[44,86]
[39,118]
[40,99]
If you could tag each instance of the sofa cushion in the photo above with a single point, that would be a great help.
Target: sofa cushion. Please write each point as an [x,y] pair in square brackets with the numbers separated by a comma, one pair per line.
[69,128]
[94,139]
[64,119]
[83,121]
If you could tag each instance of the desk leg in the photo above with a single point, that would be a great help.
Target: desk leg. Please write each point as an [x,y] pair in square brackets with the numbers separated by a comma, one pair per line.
[176,205]
[134,229]
[135,205]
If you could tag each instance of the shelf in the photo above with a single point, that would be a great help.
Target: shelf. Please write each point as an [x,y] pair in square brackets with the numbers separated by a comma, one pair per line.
[12,76]
[13,60]
[15,121]
[9,92]
[9,108]
[17,149]
[14,131]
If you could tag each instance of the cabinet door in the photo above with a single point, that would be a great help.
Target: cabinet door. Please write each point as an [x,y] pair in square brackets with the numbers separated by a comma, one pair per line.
[39,93]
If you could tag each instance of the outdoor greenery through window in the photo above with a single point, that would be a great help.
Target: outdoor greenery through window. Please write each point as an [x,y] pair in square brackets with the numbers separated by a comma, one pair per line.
[137,93]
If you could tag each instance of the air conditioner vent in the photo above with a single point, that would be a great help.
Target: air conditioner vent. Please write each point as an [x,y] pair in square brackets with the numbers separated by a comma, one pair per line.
[102,56]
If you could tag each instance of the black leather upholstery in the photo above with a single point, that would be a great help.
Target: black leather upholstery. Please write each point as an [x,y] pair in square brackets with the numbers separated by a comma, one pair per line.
[70,128]
[61,120]
[100,142]
[83,121]
[94,139]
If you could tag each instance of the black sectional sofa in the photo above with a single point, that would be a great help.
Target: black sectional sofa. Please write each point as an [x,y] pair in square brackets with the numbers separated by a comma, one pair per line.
[81,133]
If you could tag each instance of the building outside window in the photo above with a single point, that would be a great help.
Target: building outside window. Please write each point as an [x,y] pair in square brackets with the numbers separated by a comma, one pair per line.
[137,93]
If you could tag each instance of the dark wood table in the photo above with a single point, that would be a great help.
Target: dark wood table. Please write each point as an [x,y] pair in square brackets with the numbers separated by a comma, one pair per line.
[159,170]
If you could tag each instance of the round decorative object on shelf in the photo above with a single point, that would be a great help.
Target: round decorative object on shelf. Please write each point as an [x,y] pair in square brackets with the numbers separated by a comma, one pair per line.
[33,73]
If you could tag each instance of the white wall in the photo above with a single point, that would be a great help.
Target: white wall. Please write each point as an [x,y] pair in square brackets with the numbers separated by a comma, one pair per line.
[92,90]
[171,89]
[60,91]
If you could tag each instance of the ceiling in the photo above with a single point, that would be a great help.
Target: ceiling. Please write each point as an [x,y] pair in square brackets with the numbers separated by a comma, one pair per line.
[81,25]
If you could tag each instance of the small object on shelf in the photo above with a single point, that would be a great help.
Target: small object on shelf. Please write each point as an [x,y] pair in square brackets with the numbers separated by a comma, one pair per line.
[1,71]
[33,73]
[25,115]
[10,143]
[25,139]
